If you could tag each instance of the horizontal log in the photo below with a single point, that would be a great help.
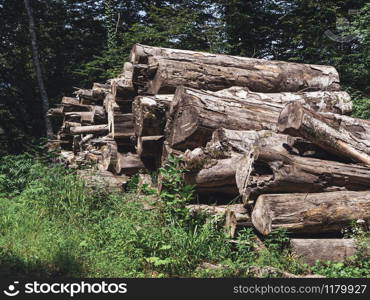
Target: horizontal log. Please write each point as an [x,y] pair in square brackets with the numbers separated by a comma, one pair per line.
[270,171]
[217,176]
[235,215]
[320,101]
[310,213]
[196,114]
[97,129]
[335,138]
[334,250]
[86,96]
[215,72]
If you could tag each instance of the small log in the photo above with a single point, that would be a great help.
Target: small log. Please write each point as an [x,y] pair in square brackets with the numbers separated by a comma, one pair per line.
[96,129]
[340,140]
[334,250]
[123,87]
[235,215]
[269,171]
[109,157]
[123,128]
[150,146]
[310,213]
[55,112]
[201,70]
[150,114]
[128,164]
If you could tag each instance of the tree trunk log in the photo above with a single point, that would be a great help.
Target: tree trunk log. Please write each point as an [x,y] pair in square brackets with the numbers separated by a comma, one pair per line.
[97,129]
[235,215]
[109,157]
[335,138]
[310,213]
[150,146]
[128,164]
[150,114]
[280,172]
[196,114]
[319,101]
[215,72]
[334,250]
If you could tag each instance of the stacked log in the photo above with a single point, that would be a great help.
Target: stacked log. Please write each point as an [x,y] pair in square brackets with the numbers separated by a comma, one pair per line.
[276,137]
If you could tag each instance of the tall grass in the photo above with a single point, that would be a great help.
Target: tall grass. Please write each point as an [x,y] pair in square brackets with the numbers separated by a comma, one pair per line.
[52,225]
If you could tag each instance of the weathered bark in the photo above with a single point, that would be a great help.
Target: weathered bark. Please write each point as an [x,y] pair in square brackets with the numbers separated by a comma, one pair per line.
[122,128]
[150,114]
[123,87]
[196,114]
[89,97]
[310,213]
[96,129]
[214,168]
[100,90]
[217,176]
[328,134]
[235,215]
[128,164]
[334,250]
[96,115]
[226,142]
[216,72]
[319,101]
[109,157]
[37,63]
[269,171]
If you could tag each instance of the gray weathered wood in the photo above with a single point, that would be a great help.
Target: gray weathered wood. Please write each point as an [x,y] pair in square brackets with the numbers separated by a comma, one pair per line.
[350,140]
[310,213]
[215,72]
[334,250]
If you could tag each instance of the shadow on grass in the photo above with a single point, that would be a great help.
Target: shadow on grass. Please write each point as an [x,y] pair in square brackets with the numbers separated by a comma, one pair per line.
[62,265]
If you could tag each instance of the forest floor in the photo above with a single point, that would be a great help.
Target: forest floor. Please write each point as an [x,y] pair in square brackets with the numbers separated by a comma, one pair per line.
[53,225]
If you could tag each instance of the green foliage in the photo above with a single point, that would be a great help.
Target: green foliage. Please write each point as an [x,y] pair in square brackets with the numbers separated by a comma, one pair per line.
[51,224]
[175,194]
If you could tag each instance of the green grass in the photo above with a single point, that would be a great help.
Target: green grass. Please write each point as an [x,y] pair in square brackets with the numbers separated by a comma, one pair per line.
[52,225]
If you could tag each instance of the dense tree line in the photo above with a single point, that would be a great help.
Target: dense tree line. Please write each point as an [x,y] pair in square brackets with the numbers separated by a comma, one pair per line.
[85,41]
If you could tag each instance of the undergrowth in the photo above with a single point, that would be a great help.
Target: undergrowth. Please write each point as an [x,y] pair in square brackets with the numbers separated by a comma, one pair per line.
[53,225]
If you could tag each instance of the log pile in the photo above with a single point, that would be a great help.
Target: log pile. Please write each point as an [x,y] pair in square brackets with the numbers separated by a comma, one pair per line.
[273,136]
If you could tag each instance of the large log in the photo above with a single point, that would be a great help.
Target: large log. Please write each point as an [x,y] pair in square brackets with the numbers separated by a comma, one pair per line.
[150,114]
[196,114]
[215,72]
[269,171]
[217,176]
[341,140]
[319,101]
[310,213]
[311,250]
[213,168]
